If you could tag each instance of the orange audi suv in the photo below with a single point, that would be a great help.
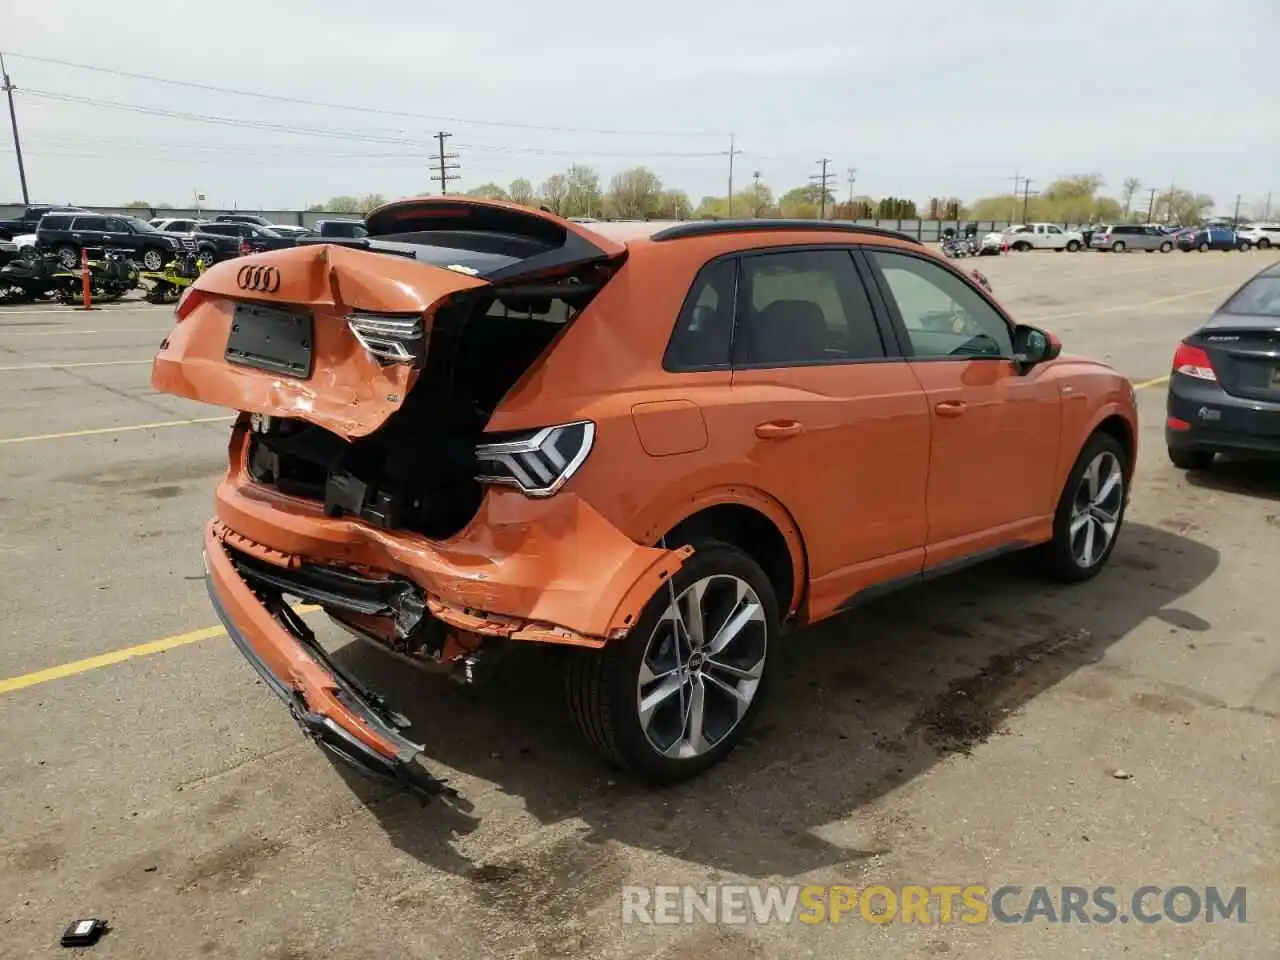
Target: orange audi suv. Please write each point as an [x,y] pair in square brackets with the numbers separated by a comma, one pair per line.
[655,447]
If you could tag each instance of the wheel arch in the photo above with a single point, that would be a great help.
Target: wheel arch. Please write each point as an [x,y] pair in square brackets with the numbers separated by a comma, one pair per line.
[1114,424]
[754,522]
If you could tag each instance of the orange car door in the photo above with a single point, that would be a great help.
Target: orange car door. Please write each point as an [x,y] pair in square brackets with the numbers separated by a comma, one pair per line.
[994,429]
[839,427]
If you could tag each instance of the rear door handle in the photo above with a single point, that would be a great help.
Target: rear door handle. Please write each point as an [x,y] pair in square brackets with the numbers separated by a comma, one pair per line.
[951,408]
[777,429]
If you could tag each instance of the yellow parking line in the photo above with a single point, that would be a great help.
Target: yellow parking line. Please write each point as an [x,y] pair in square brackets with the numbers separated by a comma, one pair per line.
[100,430]
[1119,308]
[118,656]
[68,366]
[1151,383]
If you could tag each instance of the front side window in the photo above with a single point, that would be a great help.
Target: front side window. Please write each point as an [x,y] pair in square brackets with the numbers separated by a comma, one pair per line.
[943,315]
[804,306]
[704,330]
[1053,229]
[94,224]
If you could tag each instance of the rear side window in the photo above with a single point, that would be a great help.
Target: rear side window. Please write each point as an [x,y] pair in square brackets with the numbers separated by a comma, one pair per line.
[53,221]
[1260,297]
[804,306]
[98,224]
[704,330]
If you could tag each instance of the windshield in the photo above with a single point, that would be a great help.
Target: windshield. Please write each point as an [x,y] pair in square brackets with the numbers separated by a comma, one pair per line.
[140,226]
[1260,297]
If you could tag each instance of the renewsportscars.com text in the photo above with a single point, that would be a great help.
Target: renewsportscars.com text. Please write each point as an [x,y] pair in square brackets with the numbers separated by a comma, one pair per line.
[931,905]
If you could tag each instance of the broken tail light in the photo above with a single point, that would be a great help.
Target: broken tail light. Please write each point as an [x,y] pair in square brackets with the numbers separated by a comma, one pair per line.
[538,462]
[390,337]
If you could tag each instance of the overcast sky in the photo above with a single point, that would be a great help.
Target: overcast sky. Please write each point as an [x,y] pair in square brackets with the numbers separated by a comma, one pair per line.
[923,98]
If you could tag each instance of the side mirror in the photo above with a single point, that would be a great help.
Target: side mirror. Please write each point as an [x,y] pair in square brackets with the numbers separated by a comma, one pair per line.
[1031,346]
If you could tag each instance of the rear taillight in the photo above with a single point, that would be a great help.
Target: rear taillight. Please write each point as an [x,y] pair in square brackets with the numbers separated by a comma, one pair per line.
[1193,362]
[538,462]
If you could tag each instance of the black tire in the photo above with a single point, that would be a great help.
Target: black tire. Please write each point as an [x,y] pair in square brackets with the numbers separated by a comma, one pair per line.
[1203,246]
[1190,459]
[602,686]
[1264,244]
[1022,246]
[1072,246]
[68,256]
[1166,247]
[1056,558]
[1118,247]
[152,258]
[1245,246]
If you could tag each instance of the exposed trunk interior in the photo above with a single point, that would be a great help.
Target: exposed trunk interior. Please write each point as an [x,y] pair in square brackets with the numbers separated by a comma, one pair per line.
[417,471]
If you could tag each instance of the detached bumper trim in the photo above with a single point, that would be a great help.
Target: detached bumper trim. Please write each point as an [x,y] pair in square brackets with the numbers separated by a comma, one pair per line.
[400,769]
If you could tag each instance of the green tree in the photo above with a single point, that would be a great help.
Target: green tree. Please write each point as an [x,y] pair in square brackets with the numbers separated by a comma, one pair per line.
[635,194]
[488,191]
[553,192]
[804,202]
[138,205]
[1131,186]
[1182,206]
[894,208]
[342,204]
[674,205]
[751,202]
[582,191]
[521,191]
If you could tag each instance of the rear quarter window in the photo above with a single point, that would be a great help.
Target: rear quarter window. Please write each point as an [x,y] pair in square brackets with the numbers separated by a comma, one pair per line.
[52,221]
[703,334]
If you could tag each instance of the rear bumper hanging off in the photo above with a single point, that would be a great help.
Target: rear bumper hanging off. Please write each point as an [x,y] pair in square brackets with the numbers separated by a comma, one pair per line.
[348,721]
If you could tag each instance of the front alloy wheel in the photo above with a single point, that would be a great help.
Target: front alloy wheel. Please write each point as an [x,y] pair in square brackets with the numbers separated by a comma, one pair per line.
[680,690]
[152,259]
[1090,512]
[1095,515]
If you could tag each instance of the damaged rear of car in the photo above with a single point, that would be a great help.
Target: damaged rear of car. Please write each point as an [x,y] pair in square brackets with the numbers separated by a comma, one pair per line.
[371,474]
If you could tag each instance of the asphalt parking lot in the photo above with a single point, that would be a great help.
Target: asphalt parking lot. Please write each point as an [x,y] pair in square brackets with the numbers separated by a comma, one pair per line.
[967,732]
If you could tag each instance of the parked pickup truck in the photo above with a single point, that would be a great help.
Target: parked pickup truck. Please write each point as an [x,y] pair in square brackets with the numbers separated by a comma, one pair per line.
[30,219]
[341,228]
[1033,236]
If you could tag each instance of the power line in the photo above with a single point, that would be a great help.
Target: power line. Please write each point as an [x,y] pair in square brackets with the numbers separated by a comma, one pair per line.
[304,101]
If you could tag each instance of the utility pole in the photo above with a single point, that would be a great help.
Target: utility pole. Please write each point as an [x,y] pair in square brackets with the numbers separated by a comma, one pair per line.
[733,151]
[1266,214]
[755,177]
[853,176]
[1236,219]
[1168,204]
[443,165]
[824,181]
[1026,196]
[13,122]
[1151,204]
[1013,207]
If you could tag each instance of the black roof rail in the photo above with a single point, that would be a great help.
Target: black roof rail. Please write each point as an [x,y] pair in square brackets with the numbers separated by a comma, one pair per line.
[703,228]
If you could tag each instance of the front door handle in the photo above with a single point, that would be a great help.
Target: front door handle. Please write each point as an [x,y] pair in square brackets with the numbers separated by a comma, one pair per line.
[777,429]
[951,408]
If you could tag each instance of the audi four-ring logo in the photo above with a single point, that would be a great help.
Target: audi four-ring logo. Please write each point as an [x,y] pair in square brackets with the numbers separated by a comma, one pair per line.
[254,276]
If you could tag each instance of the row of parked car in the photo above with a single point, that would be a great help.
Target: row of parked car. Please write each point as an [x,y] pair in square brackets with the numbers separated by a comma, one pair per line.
[1122,237]
[66,231]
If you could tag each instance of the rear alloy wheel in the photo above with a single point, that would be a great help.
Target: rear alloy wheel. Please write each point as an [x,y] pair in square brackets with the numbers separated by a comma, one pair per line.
[1022,246]
[69,257]
[679,692]
[1264,244]
[1090,512]
[1185,459]
[1073,246]
[1203,246]
[1118,247]
[1166,247]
